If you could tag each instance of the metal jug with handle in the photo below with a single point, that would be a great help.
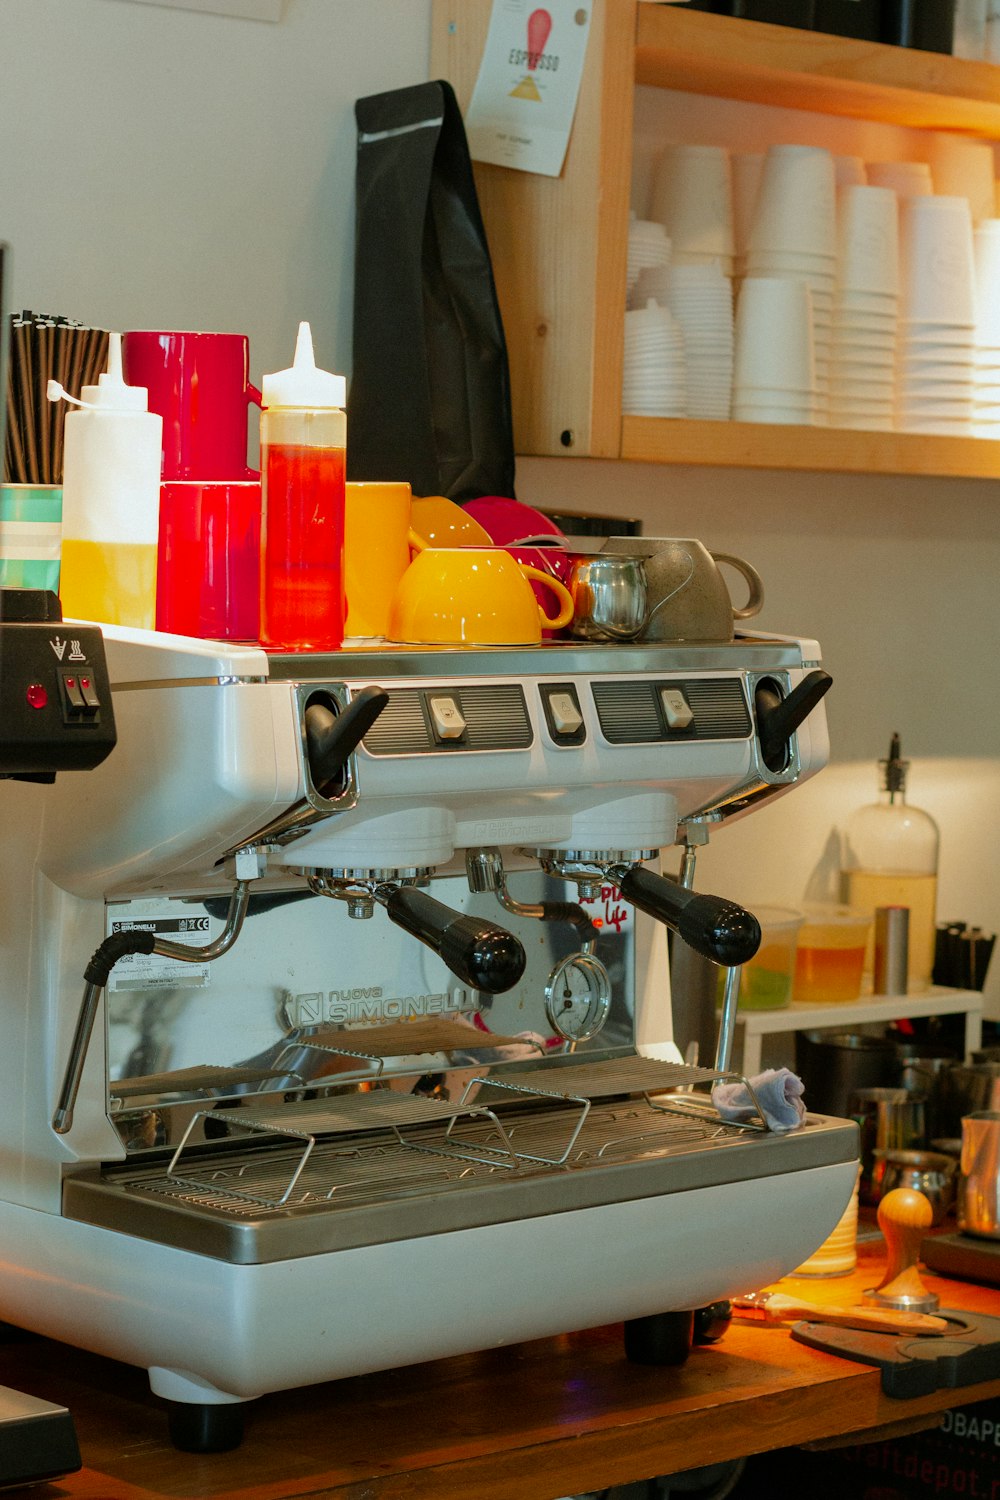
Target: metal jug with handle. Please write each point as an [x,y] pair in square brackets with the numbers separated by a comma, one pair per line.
[979,1182]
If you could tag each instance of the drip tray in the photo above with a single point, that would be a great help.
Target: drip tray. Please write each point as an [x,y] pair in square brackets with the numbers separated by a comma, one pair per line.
[279,1181]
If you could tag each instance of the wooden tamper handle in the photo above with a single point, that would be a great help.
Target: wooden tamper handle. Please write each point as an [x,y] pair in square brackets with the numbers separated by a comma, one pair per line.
[904,1217]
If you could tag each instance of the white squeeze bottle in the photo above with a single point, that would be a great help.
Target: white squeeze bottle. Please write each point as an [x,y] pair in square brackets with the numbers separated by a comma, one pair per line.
[891,859]
[111,500]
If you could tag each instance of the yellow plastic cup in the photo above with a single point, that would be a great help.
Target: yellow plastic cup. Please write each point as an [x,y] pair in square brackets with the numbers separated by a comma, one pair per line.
[831,955]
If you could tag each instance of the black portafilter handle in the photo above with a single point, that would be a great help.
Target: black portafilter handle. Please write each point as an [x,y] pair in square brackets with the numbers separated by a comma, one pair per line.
[480,953]
[778,718]
[331,737]
[717,929]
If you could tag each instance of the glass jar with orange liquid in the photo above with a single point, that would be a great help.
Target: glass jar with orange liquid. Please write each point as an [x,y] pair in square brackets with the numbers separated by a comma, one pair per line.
[303,436]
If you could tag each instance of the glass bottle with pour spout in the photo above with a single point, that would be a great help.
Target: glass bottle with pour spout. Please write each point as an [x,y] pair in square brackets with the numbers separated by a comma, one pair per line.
[891,859]
[303,434]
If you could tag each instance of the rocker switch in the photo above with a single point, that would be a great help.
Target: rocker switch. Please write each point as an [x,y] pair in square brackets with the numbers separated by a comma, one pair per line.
[446,719]
[566,716]
[676,708]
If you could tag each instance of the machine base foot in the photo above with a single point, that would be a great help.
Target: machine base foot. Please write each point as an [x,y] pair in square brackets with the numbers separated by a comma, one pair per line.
[660,1338]
[199,1428]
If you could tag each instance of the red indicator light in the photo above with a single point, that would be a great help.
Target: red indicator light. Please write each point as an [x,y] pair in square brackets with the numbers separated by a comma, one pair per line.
[70,682]
[36,695]
[85,682]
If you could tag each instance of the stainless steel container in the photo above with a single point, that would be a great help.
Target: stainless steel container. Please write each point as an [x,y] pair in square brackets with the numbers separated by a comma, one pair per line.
[929,1172]
[979,1184]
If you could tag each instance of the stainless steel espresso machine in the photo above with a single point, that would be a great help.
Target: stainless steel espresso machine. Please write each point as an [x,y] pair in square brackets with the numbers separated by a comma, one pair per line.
[337,1010]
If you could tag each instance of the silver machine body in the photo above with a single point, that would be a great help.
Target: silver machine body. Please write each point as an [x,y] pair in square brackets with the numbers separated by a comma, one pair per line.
[314,1150]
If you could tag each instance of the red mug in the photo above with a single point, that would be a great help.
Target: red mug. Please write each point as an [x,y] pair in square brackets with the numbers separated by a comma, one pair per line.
[208,560]
[199,383]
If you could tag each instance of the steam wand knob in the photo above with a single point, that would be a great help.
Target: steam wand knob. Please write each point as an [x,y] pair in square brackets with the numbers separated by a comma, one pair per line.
[778,717]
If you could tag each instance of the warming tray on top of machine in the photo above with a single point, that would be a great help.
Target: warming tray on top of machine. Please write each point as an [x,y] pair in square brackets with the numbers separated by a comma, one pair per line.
[562,658]
[311,1176]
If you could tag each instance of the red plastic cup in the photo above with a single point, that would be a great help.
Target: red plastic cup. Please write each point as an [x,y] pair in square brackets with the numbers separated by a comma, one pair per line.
[199,383]
[208,564]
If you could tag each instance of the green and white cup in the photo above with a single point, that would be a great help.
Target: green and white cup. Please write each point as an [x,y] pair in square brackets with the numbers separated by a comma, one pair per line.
[30,536]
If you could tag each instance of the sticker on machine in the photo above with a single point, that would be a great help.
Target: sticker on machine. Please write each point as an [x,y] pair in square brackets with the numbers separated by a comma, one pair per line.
[151,971]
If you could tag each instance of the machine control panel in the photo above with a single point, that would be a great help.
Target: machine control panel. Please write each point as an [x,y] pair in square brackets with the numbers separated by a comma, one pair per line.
[495,716]
[55,697]
[449,720]
[644,711]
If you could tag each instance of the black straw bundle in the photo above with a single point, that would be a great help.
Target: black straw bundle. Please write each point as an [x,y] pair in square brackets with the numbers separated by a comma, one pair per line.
[44,348]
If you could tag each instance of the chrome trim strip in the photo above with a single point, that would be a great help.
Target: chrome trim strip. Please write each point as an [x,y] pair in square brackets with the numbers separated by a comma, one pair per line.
[183,682]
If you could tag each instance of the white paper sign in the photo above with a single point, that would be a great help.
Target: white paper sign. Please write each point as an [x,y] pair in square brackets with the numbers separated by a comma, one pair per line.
[525,97]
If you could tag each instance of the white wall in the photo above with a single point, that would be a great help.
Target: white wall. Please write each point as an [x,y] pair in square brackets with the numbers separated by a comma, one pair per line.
[165,168]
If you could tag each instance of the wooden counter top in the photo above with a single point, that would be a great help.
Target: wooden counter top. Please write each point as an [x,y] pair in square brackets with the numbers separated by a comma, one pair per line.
[530,1422]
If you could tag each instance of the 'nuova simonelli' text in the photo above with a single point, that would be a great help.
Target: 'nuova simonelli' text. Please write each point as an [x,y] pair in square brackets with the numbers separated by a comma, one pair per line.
[370,1003]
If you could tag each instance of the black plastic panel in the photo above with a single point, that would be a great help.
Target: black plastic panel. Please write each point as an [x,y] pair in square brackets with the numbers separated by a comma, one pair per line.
[630,712]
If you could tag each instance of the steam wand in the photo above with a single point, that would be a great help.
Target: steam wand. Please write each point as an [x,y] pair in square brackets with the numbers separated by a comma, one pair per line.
[120,945]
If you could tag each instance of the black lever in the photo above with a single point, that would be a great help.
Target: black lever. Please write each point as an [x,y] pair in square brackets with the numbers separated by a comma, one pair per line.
[331,737]
[715,928]
[778,717]
[480,953]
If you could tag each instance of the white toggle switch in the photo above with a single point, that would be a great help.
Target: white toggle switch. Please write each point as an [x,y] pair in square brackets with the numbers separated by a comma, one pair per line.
[566,716]
[677,708]
[446,718]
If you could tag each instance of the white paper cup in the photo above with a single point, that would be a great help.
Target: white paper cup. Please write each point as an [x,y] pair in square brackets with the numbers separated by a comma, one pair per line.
[692,198]
[986,251]
[779,416]
[796,205]
[747,168]
[963,168]
[938,280]
[868,241]
[774,338]
[908,179]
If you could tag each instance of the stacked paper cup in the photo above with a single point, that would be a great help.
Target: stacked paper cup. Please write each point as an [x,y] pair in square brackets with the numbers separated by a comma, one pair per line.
[654,381]
[773,375]
[908,179]
[865,310]
[937,332]
[794,237]
[700,298]
[986,399]
[648,247]
[964,169]
[692,198]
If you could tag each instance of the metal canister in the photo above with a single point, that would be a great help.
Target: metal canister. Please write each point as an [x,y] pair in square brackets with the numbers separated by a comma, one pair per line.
[892,937]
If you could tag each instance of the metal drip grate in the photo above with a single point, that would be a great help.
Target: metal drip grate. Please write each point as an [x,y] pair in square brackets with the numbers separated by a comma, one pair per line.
[556,1126]
[254,1185]
[601,1080]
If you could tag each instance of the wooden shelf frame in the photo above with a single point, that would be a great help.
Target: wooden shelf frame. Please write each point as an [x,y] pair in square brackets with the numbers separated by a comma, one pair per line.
[559,245]
[698,53]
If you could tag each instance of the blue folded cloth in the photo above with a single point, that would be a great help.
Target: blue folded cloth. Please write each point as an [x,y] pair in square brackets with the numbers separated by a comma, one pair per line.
[779,1093]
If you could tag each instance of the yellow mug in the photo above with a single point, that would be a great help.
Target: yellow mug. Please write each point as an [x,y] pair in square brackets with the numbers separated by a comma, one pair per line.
[376,552]
[438,522]
[473,597]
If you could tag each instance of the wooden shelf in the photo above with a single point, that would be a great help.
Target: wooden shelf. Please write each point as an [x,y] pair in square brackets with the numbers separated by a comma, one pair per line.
[734,59]
[747,445]
[559,244]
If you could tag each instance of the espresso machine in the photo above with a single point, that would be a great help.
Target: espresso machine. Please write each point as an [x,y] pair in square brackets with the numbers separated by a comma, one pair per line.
[338,1019]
